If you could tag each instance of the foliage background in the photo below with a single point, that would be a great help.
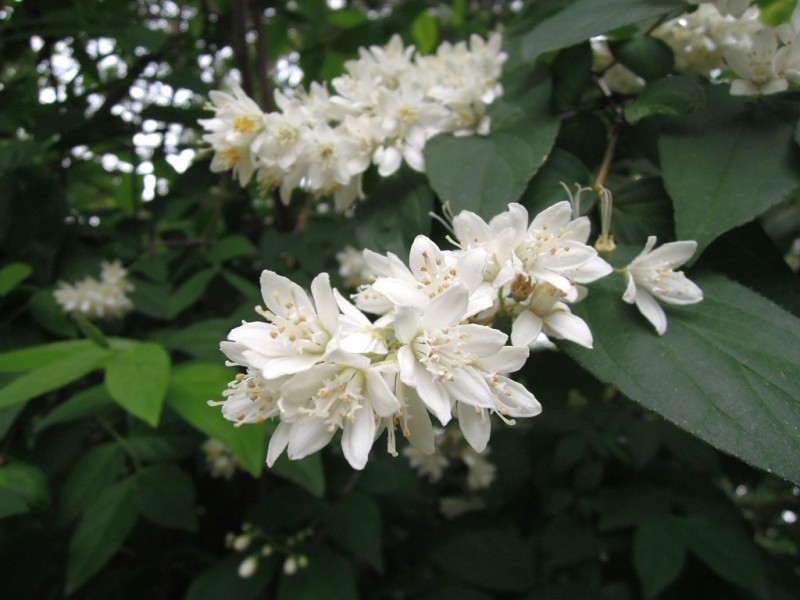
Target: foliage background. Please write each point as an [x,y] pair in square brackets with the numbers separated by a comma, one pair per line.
[104,490]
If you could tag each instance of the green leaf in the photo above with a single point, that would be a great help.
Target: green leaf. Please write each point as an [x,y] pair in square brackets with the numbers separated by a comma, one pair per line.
[246,288]
[12,275]
[53,375]
[396,214]
[545,188]
[164,494]
[27,482]
[200,339]
[230,247]
[646,56]
[222,581]
[306,472]
[95,471]
[674,95]
[425,31]
[190,389]
[484,173]
[88,403]
[190,292]
[658,554]
[105,524]
[584,19]
[355,524]
[727,165]
[11,503]
[572,74]
[641,209]
[327,575]
[493,559]
[137,380]
[727,551]
[35,357]
[726,369]
[49,314]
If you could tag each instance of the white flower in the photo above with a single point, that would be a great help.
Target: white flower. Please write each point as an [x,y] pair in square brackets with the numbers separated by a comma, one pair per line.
[347,394]
[544,312]
[103,299]
[250,398]
[760,69]
[735,8]
[651,276]
[297,336]
[481,471]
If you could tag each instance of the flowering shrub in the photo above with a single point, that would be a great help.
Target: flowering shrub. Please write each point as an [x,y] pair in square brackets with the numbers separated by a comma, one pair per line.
[545,255]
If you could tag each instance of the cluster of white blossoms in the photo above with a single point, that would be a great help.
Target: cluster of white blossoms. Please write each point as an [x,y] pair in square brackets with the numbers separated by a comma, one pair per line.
[320,364]
[103,299]
[717,37]
[221,462]
[700,39]
[385,107]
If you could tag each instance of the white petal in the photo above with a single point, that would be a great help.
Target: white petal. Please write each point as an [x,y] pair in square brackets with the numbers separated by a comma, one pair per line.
[475,425]
[357,438]
[674,253]
[630,291]
[278,290]
[406,324]
[408,366]
[648,306]
[278,442]
[482,340]
[507,360]
[565,325]
[419,423]
[380,394]
[446,309]
[432,394]
[308,436]
[525,328]
[327,309]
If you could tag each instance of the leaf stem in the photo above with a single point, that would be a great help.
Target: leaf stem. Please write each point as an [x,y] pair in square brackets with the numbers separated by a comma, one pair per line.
[121,442]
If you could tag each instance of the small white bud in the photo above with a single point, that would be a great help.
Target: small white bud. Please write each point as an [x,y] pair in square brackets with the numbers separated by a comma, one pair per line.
[241,543]
[290,566]
[248,566]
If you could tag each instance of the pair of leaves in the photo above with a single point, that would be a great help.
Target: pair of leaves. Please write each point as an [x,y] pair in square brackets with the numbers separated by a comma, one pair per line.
[661,543]
[163,494]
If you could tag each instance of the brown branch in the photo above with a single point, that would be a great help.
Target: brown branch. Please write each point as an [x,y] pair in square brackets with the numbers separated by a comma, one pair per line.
[262,66]
[240,49]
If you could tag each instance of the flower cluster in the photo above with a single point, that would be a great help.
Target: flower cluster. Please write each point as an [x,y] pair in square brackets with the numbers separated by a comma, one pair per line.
[221,462]
[385,107]
[700,39]
[717,37]
[95,299]
[320,364]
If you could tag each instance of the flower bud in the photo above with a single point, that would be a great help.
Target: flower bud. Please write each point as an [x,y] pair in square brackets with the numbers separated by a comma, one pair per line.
[248,566]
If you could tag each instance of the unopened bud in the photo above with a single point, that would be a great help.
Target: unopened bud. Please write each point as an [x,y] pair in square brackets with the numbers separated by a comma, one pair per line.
[302,561]
[266,550]
[290,566]
[248,566]
[241,543]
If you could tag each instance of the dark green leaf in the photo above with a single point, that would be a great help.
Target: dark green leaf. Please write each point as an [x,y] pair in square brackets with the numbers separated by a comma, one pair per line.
[727,551]
[726,369]
[137,380]
[641,209]
[231,247]
[190,389]
[676,95]
[97,469]
[222,581]
[492,559]
[327,575]
[26,481]
[583,19]
[646,56]
[658,554]
[727,165]
[307,472]
[12,275]
[87,403]
[11,503]
[200,339]
[355,523]
[396,213]
[164,494]
[105,524]
[36,357]
[190,292]
[572,74]
[545,188]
